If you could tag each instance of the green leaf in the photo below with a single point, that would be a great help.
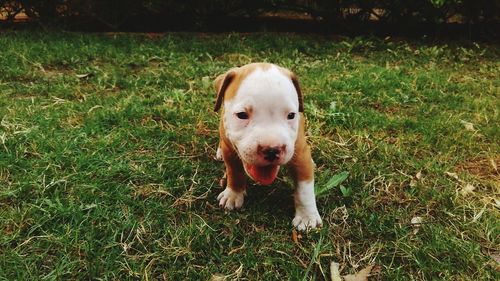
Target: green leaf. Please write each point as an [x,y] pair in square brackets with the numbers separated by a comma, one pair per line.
[346,191]
[332,183]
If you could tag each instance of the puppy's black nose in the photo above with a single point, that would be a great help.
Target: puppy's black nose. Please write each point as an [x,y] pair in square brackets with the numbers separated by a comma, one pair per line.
[271,153]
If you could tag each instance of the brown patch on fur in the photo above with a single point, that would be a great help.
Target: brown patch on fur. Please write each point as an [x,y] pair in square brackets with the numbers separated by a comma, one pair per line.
[295,82]
[235,172]
[228,84]
[301,166]
[221,89]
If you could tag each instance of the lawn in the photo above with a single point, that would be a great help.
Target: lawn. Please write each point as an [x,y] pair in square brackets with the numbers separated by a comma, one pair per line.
[107,170]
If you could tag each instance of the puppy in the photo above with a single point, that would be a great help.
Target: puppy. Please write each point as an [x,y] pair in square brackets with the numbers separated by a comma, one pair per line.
[261,129]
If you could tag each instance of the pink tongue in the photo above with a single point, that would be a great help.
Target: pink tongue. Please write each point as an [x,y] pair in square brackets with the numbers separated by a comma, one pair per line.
[263,175]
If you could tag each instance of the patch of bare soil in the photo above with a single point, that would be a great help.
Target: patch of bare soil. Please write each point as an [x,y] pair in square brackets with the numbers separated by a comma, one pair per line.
[485,168]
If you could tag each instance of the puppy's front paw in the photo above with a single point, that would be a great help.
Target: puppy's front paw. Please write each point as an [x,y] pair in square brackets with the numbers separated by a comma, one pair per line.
[306,219]
[230,199]
[218,155]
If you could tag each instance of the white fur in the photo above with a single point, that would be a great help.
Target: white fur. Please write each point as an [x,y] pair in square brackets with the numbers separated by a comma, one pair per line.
[268,96]
[306,212]
[230,199]
[218,154]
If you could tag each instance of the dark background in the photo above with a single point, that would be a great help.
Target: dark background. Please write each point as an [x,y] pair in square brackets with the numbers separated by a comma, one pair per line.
[434,18]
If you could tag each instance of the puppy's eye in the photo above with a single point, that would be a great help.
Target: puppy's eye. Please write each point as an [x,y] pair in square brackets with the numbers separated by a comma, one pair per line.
[291,115]
[242,115]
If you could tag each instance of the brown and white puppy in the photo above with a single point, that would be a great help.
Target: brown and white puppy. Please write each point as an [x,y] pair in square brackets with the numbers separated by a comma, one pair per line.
[261,129]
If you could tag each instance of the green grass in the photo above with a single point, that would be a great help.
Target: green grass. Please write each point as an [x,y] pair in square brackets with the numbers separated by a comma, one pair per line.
[107,171]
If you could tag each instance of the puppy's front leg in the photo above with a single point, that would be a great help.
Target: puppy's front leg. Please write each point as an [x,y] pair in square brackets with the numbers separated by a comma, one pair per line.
[306,212]
[233,196]
[302,170]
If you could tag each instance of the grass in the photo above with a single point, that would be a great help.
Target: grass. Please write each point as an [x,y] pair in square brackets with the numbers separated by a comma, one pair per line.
[107,171]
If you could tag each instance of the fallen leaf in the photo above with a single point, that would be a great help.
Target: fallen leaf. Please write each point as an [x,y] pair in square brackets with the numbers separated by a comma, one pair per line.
[417,220]
[497,203]
[82,75]
[493,164]
[413,182]
[376,270]
[495,256]
[294,236]
[468,188]
[453,175]
[334,272]
[218,277]
[361,275]
[467,125]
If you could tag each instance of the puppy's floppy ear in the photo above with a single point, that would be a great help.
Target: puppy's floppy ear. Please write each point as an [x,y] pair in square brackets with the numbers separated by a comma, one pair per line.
[295,82]
[221,83]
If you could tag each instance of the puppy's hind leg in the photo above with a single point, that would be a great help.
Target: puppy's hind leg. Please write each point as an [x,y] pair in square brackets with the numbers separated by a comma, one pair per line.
[218,154]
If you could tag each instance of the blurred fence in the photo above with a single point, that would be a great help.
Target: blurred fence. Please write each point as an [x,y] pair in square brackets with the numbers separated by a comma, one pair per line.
[202,15]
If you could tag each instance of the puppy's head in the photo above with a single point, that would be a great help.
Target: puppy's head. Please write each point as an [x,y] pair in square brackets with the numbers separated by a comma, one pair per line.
[262,106]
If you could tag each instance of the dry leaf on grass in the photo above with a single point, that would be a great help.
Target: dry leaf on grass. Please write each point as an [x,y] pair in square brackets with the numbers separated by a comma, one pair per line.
[296,236]
[376,270]
[218,277]
[453,175]
[497,203]
[361,275]
[414,180]
[493,164]
[416,222]
[468,188]
[295,239]
[496,257]
[334,271]
[467,125]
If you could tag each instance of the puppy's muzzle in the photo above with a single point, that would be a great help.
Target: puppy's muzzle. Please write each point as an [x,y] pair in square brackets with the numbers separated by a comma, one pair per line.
[271,153]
